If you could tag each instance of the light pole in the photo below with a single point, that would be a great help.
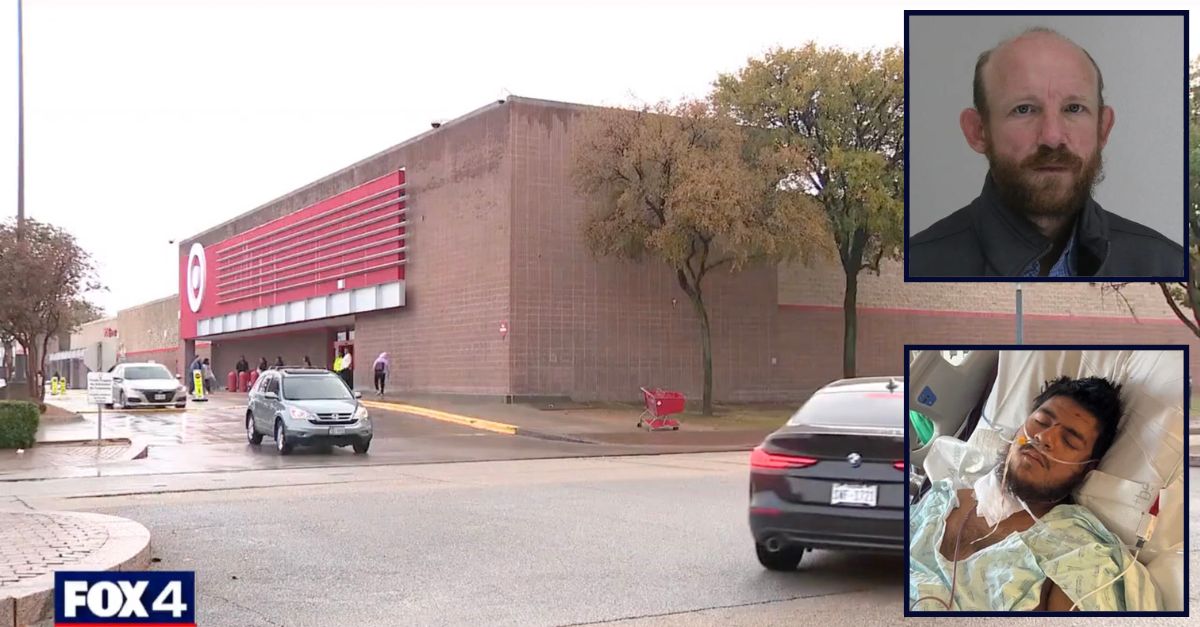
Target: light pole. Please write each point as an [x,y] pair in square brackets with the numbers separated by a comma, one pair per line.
[1020,318]
[20,127]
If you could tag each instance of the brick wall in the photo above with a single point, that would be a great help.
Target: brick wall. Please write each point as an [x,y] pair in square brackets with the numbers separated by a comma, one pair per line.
[600,329]
[814,337]
[91,336]
[150,326]
[446,339]
[892,313]
[823,284]
[167,357]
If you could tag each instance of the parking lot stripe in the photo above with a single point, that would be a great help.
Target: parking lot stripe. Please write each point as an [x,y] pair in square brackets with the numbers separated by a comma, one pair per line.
[467,421]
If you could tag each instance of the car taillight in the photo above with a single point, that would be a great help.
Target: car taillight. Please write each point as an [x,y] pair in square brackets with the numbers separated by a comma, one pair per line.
[760,458]
[900,465]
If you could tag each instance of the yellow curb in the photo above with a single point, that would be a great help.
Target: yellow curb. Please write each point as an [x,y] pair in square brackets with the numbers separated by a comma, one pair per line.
[474,423]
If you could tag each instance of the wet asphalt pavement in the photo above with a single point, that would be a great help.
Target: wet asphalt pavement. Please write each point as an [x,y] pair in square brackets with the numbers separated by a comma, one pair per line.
[659,540]
[210,437]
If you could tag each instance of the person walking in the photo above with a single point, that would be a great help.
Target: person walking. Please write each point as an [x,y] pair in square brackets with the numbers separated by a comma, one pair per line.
[382,369]
[263,366]
[307,362]
[278,361]
[210,379]
[242,365]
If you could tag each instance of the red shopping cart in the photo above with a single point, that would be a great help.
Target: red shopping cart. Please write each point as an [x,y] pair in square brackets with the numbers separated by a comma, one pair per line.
[659,405]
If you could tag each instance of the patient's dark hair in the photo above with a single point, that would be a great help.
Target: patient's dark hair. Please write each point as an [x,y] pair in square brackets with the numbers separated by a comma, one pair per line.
[1099,396]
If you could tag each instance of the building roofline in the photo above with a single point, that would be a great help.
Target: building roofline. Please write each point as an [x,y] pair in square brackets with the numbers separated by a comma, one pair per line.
[480,111]
[172,297]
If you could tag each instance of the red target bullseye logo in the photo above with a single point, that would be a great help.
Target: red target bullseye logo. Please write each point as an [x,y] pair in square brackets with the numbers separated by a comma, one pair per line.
[195,277]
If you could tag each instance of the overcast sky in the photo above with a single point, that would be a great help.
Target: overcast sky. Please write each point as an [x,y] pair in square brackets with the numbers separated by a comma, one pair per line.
[150,121]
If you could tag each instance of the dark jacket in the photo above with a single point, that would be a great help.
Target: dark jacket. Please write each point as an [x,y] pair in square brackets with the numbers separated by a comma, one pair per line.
[987,239]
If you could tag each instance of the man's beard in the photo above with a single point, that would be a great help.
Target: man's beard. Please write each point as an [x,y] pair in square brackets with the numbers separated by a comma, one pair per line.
[1046,195]
[1035,493]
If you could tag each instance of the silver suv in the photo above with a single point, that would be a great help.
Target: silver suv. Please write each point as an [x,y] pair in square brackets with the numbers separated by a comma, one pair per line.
[302,406]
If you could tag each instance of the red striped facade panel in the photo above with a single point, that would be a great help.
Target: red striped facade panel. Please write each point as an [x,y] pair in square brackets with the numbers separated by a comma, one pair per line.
[356,238]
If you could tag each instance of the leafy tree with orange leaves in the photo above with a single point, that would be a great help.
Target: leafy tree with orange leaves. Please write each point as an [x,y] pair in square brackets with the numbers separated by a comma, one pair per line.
[687,186]
[845,112]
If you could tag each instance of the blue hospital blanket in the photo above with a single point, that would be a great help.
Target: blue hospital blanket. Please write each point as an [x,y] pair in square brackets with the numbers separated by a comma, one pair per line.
[1072,548]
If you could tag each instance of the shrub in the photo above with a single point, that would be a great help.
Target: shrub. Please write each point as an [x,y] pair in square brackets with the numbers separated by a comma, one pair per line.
[18,424]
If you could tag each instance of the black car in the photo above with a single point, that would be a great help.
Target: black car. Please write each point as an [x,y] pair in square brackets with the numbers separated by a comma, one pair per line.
[834,476]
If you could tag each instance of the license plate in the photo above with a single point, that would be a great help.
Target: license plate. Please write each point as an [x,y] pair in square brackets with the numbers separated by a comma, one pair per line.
[854,494]
[160,397]
[337,430]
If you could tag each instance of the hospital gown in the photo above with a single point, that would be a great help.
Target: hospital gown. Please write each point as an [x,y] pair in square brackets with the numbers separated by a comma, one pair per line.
[1072,548]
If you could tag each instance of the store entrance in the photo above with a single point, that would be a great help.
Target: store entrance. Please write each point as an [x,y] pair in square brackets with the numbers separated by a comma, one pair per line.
[343,345]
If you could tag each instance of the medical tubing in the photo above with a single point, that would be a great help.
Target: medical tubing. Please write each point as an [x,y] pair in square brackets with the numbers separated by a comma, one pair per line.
[1114,580]
[1024,440]
[999,432]
[953,571]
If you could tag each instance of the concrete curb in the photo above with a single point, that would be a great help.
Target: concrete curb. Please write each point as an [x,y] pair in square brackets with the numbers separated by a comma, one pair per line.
[135,412]
[467,421]
[137,446]
[127,548]
[555,437]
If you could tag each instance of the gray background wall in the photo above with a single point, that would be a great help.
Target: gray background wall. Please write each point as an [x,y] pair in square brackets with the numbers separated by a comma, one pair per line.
[1142,59]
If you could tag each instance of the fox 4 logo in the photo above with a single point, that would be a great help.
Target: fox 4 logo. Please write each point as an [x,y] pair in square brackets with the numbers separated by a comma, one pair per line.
[124,598]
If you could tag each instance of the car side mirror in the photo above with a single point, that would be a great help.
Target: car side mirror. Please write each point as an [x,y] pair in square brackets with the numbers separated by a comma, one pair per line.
[117,379]
[271,396]
[358,395]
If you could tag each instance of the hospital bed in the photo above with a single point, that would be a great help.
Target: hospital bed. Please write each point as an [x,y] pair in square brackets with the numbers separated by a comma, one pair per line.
[971,401]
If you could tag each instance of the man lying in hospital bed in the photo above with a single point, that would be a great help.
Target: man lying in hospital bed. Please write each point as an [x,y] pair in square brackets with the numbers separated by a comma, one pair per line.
[1015,540]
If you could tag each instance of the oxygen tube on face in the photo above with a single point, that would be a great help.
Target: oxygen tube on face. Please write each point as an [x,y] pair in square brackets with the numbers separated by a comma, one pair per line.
[1145,527]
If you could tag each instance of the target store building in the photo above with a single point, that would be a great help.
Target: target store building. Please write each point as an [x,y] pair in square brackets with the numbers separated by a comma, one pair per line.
[460,252]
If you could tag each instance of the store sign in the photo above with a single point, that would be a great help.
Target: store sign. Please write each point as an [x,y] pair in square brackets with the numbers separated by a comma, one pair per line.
[110,332]
[197,268]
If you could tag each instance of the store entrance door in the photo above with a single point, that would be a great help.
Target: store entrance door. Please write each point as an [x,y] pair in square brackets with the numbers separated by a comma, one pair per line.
[344,340]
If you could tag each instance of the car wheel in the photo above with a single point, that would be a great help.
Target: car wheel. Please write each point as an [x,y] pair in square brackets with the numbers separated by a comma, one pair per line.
[252,434]
[361,446]
[108,405]
[785,559]
[181,406]
[281,442]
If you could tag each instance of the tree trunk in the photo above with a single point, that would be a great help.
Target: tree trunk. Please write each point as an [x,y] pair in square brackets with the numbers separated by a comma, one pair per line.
[6,369]
[706,347]
[42,364]
[850,324]
[852,263]
[33,373]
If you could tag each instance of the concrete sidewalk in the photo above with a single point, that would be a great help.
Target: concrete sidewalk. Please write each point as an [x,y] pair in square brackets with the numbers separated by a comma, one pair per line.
[575,422]
[33,544]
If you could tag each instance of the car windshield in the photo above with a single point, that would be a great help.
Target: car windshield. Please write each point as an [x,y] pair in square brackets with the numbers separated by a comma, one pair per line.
[133,373]
[856,409]
[315,387]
